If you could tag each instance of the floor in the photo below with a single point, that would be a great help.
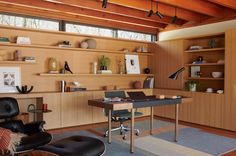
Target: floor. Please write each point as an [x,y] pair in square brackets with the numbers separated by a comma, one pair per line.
[204,128]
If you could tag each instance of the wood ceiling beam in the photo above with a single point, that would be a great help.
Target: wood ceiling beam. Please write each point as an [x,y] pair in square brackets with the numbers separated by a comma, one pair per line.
[227,3]
[87,12]
[200,6]
[119,10]
[165,9]
[53,14]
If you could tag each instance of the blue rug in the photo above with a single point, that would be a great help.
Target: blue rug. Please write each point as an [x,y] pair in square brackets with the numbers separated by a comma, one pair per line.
[188,137]
[201,141]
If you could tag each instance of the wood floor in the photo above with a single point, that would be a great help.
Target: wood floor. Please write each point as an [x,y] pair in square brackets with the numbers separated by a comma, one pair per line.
[221,132]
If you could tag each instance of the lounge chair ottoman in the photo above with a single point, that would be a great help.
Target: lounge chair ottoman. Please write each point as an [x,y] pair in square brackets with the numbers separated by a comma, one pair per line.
[75,146]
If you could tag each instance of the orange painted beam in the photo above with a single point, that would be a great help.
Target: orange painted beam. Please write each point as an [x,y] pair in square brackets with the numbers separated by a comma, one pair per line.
[227,3]
[87,13]
[120,10]
[200,6]
[53,14]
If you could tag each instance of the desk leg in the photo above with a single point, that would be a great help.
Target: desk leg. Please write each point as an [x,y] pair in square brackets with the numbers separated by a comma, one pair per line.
[151,121]
[109,126]
[176,122]
[132,132]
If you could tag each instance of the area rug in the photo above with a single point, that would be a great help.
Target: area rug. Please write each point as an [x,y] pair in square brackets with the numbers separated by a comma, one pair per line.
[192,141]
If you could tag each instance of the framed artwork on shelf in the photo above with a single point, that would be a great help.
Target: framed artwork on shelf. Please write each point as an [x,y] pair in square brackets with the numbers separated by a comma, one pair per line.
[9,79]
[132,64]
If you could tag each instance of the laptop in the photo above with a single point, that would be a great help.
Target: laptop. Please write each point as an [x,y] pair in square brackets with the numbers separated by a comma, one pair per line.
[140,96]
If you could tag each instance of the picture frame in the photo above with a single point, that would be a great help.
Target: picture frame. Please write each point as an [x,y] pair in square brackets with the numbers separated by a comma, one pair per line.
[132,64]
[9,78]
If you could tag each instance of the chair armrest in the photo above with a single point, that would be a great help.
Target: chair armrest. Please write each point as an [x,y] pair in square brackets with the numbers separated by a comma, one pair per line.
[34,127]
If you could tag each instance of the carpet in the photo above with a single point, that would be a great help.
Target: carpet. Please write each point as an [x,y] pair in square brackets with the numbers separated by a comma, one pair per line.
[192,141]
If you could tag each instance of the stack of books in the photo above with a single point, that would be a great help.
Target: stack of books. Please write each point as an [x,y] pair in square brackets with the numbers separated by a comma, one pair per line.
[29,59]
[104,72]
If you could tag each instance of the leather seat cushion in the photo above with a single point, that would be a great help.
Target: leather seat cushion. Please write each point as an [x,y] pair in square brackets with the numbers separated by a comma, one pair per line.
[33,141]
[76,146]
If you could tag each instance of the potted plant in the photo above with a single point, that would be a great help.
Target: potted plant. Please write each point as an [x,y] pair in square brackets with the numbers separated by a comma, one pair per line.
[104,62]
[191,86]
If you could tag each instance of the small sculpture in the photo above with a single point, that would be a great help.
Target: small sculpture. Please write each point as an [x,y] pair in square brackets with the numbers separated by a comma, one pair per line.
[24,90]
[67,68]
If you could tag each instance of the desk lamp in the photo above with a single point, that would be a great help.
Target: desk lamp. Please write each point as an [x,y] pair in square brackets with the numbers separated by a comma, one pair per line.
[175,75]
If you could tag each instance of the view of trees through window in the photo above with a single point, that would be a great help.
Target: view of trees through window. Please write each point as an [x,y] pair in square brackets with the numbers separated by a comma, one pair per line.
[26,22]
[47,24]
[82,29]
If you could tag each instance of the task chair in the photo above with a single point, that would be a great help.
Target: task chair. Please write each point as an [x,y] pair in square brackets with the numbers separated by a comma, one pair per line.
[120,115]
[35,135]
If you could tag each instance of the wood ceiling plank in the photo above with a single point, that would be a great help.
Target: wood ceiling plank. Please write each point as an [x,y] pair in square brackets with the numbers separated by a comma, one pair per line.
[120,10]
[53,14]
[227,3]
[165,9]
[87,13]
[200,6]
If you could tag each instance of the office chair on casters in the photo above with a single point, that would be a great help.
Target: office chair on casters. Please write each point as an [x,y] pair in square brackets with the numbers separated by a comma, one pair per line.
[120,115]
[35,135]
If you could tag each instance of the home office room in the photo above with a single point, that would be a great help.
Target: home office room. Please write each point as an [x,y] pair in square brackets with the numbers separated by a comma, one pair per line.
[116,77]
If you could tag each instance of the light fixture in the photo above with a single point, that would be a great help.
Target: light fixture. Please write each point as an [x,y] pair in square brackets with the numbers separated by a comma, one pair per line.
[175,75]
[158,13]
[150,13]
[174,19]
[104,3]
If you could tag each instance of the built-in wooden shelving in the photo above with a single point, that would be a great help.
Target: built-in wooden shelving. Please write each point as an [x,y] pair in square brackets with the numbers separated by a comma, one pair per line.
[97,75]
[206,64]
[204,78]
[16,62]
[206,50]
[74,49]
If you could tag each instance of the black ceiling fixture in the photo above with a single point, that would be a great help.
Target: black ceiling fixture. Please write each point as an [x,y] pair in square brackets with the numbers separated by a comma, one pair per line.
[158,13]
[174,19]
[104,4]
[150,13]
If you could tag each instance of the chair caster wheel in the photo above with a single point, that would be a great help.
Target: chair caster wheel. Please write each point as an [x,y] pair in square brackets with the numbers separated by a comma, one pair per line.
[124,138]
[105,135]
[121,133]
[137,134]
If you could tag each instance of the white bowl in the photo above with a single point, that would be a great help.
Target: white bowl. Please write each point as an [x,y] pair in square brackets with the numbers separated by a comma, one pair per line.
[217,74]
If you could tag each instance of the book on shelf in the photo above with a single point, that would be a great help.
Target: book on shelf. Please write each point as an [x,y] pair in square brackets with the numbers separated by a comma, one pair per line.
[104,72]
[4,40]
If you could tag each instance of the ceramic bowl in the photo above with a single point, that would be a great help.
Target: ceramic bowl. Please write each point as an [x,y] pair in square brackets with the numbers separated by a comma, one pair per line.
[217,74]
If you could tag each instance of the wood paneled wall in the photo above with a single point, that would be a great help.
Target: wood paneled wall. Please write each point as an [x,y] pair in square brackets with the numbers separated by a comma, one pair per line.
[168,59]
[79,61]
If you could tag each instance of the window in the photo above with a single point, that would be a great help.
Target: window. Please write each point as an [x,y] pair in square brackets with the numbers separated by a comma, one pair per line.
[27,22]
[134,35]
[83,29]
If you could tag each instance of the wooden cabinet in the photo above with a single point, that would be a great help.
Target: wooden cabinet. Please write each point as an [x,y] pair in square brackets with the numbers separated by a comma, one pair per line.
[53,119]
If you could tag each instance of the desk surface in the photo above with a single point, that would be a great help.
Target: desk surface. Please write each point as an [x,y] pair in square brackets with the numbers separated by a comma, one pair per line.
[136,104]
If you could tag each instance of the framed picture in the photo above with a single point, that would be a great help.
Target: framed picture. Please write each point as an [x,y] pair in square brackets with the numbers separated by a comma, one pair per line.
[132,64]
[9,79]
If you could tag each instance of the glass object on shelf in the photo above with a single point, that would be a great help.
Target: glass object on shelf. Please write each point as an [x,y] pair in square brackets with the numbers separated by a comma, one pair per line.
[52,65]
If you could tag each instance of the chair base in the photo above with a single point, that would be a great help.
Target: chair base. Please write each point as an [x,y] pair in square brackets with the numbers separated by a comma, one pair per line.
[123,130]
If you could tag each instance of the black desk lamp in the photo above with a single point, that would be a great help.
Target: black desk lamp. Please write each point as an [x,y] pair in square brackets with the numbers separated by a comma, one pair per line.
[175,75]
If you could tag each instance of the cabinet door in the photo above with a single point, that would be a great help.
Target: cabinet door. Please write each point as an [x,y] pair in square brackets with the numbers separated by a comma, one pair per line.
[52,119]
[69,109]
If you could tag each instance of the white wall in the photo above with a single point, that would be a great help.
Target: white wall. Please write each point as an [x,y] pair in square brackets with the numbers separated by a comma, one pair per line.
[198,30]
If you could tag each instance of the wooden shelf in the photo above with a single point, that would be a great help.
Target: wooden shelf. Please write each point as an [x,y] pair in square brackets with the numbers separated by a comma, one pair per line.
[206,64]
[109,75]
[74,49]
[16,62]
[204,78]
[206,50]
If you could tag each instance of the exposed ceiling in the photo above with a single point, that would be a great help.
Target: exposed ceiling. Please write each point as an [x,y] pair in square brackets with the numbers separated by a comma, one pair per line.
[128,14]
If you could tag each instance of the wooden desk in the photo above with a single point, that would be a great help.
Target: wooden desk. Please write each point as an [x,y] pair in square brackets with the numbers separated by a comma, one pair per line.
[132,105]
